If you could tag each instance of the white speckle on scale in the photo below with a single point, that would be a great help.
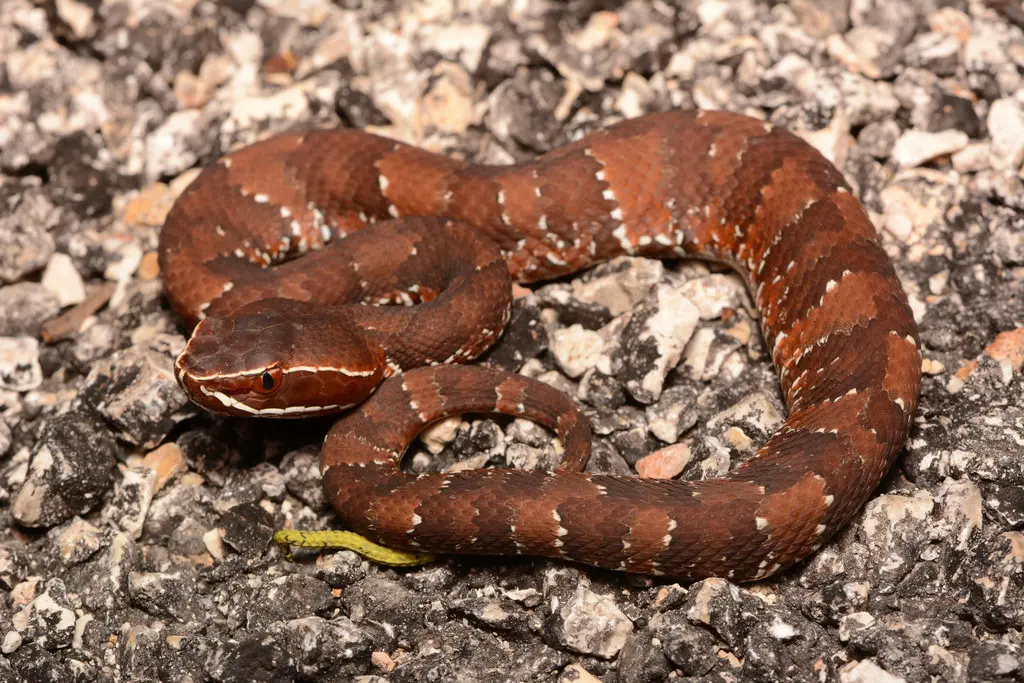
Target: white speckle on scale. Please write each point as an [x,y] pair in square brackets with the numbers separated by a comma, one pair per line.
[620,234]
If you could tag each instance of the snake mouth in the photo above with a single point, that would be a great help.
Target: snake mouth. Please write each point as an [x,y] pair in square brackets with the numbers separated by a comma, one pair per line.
[235,407]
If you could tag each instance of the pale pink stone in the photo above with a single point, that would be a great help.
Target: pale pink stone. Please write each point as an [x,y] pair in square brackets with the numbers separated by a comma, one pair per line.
[665,463]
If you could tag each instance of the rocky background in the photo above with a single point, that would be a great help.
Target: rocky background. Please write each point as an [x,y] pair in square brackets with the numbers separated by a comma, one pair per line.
[137,532]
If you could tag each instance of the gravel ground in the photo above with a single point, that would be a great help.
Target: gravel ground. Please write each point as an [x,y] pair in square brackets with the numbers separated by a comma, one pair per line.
[136,542]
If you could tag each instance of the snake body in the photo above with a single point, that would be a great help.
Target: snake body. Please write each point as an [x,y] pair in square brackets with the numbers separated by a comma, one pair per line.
[287,336]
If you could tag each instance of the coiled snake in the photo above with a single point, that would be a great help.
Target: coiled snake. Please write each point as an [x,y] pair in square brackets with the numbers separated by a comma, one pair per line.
[282,336]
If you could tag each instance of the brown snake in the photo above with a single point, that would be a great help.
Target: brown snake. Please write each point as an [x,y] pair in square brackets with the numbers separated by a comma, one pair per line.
[285,336]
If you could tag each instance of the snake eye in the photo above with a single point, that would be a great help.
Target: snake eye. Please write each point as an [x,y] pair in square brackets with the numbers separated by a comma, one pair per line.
[269,381]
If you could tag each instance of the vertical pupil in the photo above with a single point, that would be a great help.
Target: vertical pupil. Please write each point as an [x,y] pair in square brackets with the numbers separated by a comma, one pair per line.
[268,381]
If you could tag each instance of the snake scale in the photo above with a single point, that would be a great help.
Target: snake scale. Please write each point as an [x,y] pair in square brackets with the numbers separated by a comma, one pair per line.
[284,336]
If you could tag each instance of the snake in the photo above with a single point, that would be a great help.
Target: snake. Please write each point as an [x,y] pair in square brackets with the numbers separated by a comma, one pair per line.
[335,271]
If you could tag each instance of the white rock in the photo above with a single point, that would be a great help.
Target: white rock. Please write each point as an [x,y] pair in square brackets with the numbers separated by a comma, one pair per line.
[796,72]
[463,41]
[576,349]
[670,327]
[19,364]
[853,622]
[121,270]
[962,510]
[61,278]
[983,51]
[440,434]
[756,409]
[973,158]
[698,353]
[5,438]
[1006,126]
[307,12]
[636,95]
[916,147]
[48,620]
[575,673]
[78,540]
[593,624]
[714,293]
[213,540]
[12,641]
[78,17]
[171,148]
[867,671]
[621,290]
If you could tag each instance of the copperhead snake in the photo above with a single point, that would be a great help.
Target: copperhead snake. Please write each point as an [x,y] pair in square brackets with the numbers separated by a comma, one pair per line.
[275,335]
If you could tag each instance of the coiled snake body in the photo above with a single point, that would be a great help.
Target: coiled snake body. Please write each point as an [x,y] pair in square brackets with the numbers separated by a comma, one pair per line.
[293,339]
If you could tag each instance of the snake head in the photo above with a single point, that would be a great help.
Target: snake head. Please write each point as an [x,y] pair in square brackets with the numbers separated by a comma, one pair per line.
[278,358]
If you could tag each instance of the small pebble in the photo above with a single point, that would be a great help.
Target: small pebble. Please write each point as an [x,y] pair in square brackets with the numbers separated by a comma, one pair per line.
[61,278]
[918,147]
[667,463]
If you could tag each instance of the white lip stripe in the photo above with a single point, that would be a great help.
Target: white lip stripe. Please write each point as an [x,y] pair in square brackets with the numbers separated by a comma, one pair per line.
[228,401]
[290,410]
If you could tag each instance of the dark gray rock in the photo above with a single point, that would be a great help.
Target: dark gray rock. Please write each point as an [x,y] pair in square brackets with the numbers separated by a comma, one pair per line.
[601,390]
[571,310]
[131,501]
[70,470]
[138,652]
[251,656]
[341,569]
[301,473]
[520,111]
[294,596]
[136,392]
[166,595]
[24,307]
[25,244]
[995,662]
[674,413]
[957,113]
[248,529]
[690,649]
[524,338]
[492,612]
[320,647]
